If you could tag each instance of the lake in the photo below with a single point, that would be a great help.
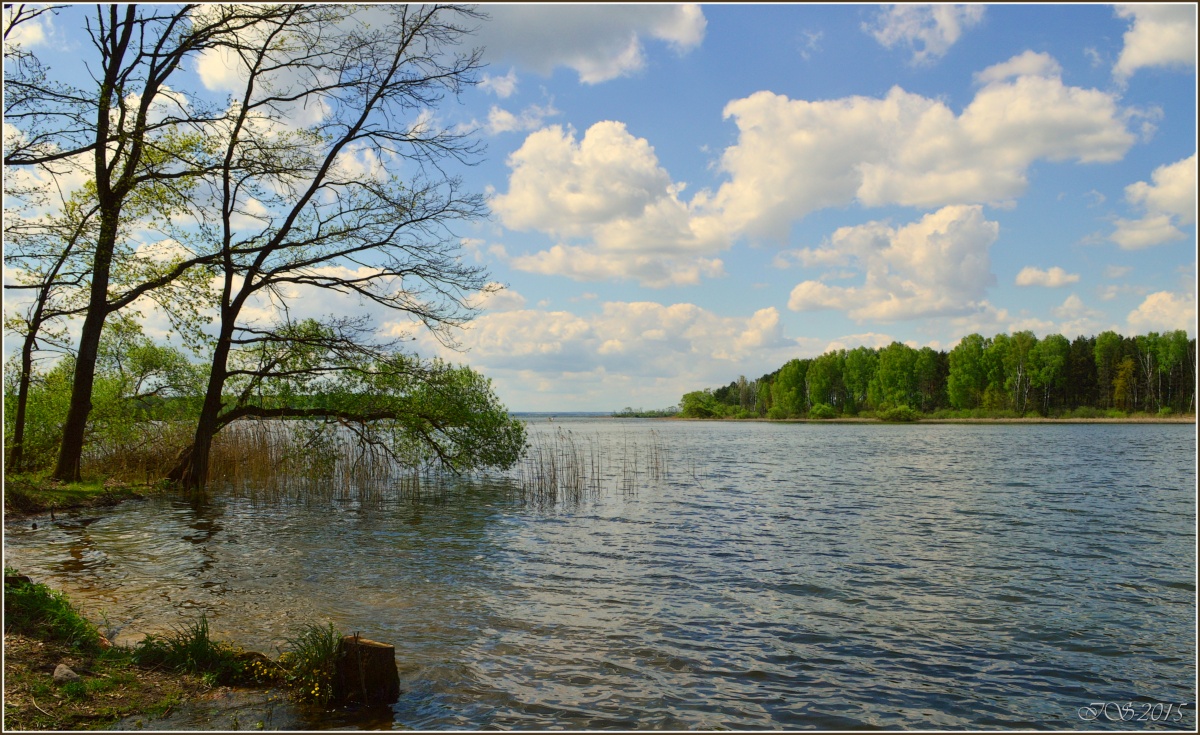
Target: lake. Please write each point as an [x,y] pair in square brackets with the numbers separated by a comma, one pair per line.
[738,575]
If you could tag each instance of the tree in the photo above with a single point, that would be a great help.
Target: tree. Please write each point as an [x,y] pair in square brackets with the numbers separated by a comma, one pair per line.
[861,364]
[700,404]
[930,370]
[330,228]
[825,380]
[1147,352]
[132,131]
[895,381]
[1016,369]
[1048,368]
[1107,352]
[790,392]
[44,255]
[1082,388]
[968,373]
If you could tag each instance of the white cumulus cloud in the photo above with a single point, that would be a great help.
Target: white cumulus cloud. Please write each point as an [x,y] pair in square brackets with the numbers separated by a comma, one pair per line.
[1169,203]
[1158,35]
[1164,311]
[793,157]
[531,118]
[599,42]
[503,87]
[608,192]
[927,30]
[937,266]
[1052,278]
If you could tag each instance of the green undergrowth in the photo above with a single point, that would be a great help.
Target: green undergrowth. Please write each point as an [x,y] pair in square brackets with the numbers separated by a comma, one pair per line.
[36,610]
[39,493]
[306,669]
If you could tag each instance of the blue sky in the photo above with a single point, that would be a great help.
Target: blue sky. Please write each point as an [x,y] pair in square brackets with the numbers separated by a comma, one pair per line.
[684,194]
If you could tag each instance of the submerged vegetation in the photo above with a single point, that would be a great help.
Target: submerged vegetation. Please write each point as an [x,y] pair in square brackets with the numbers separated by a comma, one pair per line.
[1005,376]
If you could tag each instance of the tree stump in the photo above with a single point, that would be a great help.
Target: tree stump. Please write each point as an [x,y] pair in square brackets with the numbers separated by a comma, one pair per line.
[366,672]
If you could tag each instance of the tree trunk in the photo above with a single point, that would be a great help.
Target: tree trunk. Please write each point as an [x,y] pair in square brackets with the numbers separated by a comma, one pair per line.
[192,470]
[366,672]
[16,457]
[71,450]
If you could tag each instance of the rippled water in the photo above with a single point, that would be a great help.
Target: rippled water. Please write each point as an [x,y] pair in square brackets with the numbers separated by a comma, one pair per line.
[781,576]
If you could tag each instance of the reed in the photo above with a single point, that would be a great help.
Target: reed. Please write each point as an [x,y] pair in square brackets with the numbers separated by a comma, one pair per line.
[142,452]
[272,460]
[565,467]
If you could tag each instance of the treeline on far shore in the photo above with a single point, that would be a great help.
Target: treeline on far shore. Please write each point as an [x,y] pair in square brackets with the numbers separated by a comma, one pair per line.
[1005,376]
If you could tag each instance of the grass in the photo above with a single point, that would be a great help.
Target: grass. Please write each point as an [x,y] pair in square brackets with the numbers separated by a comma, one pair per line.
[42,630]
[32,493]
[191,650]
[310,664]
[35,609]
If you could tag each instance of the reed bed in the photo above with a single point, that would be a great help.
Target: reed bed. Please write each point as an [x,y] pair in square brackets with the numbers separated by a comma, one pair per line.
[570,468]
[139,453]
[273,461]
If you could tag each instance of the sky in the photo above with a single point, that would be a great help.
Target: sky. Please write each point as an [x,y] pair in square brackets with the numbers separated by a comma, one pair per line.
[683,194]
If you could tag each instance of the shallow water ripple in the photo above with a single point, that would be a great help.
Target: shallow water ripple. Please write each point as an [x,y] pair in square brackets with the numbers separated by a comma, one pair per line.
[795,576]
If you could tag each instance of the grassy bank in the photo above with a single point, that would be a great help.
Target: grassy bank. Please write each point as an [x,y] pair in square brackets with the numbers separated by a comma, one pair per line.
[28,494]
[43,630]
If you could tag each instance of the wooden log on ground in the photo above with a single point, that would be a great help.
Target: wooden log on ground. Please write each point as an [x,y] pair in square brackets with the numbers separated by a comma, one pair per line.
[366,672]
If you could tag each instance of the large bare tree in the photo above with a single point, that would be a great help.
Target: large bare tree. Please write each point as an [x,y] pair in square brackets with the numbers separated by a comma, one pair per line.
[358,202]
[131,130]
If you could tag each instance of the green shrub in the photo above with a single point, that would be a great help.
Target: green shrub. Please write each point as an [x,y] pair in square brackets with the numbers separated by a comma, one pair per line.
[776,413]
[822,411]
[190,649]
[310,665]
[1165,411]
[898,414]
[36,610]
[1115,413]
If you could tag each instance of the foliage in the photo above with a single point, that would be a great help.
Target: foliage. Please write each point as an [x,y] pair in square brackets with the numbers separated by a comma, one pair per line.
[698,405]
[49,396]
[1005,376]
[897,414]
[189,649]
[310,664]
[822,411]
[640,413]
[35,609]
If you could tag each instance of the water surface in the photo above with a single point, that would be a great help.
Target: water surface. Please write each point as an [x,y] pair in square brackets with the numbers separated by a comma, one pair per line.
[779,576]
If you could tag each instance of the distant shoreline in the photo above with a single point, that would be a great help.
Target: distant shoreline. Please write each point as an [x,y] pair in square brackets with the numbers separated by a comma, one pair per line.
[1038,420]
[868,420]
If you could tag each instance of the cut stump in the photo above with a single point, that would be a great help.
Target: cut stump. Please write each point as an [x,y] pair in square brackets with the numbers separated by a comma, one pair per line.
[366,672]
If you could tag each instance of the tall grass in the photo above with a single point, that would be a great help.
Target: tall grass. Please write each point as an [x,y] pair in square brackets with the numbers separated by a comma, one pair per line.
[141,452]
[565,467]
[310,664]
[189,649]
[275,460]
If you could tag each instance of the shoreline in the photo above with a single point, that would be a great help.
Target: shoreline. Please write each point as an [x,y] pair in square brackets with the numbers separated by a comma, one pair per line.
[1023,420]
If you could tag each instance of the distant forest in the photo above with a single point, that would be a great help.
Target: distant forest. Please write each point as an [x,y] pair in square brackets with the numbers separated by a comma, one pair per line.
[1002,376]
